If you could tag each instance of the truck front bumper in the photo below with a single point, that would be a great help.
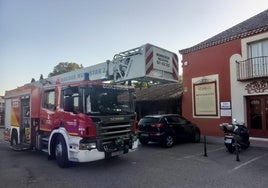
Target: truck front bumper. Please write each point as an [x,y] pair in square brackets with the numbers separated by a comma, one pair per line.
[86,155]
[95,154]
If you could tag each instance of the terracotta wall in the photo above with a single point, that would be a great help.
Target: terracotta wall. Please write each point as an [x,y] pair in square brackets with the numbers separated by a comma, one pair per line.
[208,61]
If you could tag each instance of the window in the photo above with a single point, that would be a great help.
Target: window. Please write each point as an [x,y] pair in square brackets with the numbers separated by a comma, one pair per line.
[257,52]
[70,99]
[107,99]
[49,100]
[176,120]
[149,120]
[258,49]
[172,119]
[2,107]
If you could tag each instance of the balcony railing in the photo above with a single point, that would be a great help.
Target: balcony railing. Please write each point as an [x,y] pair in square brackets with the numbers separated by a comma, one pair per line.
[252,68]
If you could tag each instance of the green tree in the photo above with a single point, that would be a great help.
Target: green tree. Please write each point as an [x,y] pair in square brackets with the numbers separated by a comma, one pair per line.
[41,77]
[64,67]
[33,80]
[140,84]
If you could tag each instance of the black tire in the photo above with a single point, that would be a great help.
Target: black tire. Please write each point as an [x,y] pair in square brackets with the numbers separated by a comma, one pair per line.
[61,152]
[248,144]
[14,138]
[230,148]
[143,141]
[168,141]
[196,136]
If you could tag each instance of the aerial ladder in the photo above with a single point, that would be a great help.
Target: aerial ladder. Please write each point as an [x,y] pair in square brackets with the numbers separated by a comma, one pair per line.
[144,63]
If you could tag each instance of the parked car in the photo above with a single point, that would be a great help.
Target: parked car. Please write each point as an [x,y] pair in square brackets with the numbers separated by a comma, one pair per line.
[166,129]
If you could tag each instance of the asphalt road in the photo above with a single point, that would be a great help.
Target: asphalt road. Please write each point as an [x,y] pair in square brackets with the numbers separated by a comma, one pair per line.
[184,165]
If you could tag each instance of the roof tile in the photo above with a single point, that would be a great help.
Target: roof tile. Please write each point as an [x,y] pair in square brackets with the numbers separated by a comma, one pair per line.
[159,92]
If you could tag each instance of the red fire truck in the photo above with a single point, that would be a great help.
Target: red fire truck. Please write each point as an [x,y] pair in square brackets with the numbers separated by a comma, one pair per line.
[80,121]
[74,118]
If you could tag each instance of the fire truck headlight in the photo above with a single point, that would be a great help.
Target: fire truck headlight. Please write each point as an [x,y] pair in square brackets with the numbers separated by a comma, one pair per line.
[87,146]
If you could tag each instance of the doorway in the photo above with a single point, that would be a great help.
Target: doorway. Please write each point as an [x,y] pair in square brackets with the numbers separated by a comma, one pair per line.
[257,115]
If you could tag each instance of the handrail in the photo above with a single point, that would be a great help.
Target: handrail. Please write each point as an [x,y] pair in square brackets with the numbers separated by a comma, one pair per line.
[252,68]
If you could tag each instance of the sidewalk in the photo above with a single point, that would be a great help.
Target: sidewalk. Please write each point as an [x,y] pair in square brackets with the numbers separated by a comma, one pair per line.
[254,141]
[259,142]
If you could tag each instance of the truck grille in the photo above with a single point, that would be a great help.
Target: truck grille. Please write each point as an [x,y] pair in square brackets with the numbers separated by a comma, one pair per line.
[113,135]
[108,132]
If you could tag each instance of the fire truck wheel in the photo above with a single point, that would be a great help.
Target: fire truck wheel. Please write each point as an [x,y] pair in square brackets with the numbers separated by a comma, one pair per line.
[61,152]
[14,139]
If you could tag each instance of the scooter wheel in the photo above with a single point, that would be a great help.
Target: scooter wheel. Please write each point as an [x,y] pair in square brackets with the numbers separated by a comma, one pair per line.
[231,149]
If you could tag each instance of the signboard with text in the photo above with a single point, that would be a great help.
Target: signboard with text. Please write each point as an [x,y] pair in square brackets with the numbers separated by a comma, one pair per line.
[162,60]
[205,99]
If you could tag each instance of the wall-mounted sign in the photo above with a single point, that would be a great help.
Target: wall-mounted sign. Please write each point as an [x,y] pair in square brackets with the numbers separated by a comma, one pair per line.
[205,99]
[225,105]
[226,113]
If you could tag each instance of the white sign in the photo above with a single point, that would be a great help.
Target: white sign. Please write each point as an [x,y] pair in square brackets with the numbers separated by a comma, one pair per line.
[226,113]
[162,60]
[95,72]
[225,105]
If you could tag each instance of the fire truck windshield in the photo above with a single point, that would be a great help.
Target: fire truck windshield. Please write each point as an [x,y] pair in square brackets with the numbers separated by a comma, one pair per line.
[108,99]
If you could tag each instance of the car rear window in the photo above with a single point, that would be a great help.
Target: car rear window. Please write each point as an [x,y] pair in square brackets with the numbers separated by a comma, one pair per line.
[149,120]
[176,119]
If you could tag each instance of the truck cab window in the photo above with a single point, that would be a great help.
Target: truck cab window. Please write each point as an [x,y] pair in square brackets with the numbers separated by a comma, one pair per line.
[49,100]
[70,102]
[107,100]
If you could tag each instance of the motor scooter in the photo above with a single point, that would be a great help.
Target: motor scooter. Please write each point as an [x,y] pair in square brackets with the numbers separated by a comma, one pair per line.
[235,134]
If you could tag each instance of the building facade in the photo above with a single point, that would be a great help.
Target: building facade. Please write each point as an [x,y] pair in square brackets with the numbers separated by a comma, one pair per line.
[226,77]
[2,110]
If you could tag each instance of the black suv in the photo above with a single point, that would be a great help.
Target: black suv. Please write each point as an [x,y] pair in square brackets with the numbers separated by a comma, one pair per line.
[166,128]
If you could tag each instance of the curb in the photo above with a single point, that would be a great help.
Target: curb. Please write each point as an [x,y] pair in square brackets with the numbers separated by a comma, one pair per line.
[254,141]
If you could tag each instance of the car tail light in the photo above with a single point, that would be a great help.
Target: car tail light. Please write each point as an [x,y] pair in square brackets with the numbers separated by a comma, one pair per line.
[158,125]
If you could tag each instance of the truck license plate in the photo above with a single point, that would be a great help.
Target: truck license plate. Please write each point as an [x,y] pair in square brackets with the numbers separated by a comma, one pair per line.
[116,153]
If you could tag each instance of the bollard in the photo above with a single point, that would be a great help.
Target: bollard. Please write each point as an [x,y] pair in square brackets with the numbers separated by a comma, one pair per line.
[205,146]
[237,150]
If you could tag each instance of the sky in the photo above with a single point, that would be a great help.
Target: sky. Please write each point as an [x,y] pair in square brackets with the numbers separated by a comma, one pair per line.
[36,35]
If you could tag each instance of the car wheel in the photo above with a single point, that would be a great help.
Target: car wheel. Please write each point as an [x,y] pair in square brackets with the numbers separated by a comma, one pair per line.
[143,141]
[168,141]
[196,136]
[61,152]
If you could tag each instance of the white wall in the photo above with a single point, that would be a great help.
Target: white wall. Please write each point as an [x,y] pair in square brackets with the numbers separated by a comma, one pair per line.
[238,91]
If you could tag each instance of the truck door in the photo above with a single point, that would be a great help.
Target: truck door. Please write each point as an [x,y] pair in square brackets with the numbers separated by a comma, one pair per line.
[48,110]
[71,108]
[25,129]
